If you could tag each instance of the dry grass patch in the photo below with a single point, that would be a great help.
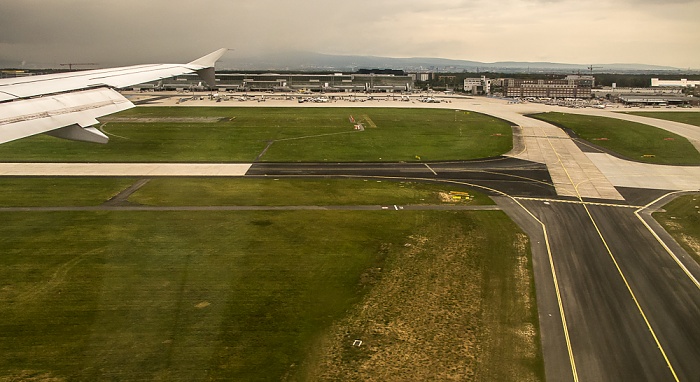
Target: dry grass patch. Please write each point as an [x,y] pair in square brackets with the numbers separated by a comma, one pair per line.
[444,309]
[681,218]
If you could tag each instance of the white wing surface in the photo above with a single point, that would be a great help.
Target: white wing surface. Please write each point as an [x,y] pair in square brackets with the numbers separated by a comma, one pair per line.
[67,104]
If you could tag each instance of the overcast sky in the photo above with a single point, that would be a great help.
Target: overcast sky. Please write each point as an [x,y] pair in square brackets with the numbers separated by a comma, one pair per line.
[120,32]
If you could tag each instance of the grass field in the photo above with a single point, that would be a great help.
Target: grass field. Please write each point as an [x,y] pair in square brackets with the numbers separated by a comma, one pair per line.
[260,295]
[682,220]
[73,191]
[178,134]
[691,118]
[245,296]
[285,191]
[454,304]
[79,191]
[642,143]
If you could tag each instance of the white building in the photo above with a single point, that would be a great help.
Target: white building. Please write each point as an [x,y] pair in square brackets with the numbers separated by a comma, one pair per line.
[477,85]
[683,83]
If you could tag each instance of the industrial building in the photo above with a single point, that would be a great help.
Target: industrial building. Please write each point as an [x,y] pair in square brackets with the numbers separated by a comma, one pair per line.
[683,83]
[658,100]
[338,82]
[563,88]
[582,79]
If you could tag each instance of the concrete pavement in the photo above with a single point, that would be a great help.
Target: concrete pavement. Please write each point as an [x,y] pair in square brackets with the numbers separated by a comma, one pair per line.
[624,173]
[123,169]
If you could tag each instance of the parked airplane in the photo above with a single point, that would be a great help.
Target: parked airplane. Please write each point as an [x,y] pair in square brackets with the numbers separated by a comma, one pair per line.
[66,105]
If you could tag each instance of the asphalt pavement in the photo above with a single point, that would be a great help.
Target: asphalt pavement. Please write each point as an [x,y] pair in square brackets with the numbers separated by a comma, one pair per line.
[496,175]
[631,312]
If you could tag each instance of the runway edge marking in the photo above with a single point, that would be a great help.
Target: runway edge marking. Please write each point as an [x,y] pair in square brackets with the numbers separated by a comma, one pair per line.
[619,270]
[663,244]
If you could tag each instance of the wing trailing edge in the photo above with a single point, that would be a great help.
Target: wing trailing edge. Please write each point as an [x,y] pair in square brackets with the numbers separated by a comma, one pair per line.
[67,104]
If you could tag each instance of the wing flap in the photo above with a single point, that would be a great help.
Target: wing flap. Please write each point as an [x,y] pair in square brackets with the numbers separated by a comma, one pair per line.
[117,78]
[37,104]
[23,118]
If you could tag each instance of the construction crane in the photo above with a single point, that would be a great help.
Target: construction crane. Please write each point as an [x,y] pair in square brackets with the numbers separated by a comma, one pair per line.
[591,67]
[71,64]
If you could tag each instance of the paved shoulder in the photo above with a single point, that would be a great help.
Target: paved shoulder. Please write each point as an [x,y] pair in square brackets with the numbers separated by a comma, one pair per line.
[124,169]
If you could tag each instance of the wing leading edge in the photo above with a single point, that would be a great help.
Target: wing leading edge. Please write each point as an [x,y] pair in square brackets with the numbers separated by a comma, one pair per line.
[67,104]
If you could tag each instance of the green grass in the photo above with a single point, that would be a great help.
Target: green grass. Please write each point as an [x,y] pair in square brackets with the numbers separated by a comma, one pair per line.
[87,191]
[691,118]
[187,296]
[452,297]
[114,296]
[635,141]
[34,192]
[154,134]
[284,191]
[682,220]
[248,295]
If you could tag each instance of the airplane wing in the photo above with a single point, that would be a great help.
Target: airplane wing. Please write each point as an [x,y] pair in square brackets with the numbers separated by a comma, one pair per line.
[66,105]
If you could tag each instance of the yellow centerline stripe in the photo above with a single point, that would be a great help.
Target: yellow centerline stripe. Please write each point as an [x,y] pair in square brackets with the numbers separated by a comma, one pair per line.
[636,302]
[651,330]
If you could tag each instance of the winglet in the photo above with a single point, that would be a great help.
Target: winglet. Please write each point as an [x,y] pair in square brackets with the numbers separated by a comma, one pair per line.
[210,59]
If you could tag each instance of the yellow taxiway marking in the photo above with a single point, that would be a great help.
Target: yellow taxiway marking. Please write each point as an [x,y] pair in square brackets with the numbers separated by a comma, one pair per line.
[619,270]
[636,302]
[668,250]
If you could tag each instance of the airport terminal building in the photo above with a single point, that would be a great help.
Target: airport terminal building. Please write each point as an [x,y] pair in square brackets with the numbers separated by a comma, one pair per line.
[570,87]
[337,82]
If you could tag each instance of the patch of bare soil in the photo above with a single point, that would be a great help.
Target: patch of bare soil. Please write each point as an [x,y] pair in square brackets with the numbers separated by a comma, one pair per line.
[445,197]
[27,376]
[507,338]
[418,323]
[693,243]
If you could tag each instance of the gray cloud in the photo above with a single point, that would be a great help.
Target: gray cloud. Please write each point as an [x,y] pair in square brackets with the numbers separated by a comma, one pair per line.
[130,31]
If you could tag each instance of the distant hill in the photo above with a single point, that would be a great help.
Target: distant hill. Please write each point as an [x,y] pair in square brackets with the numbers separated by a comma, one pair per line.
[317,61]
[307,61]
